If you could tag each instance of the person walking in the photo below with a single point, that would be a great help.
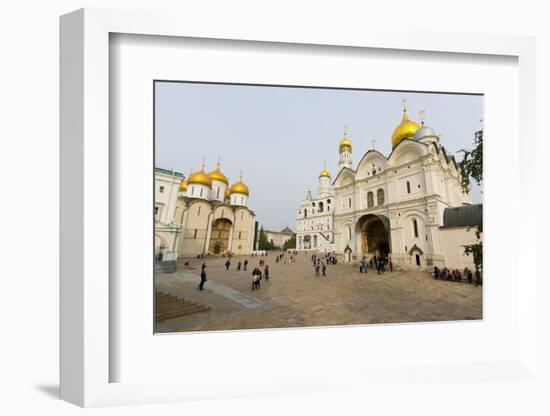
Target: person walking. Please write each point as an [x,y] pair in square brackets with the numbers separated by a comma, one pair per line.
[203,279]
[227,264]
[239,266]
[245,264]
[317,268]
[324,269]
[382,265]
[391,266]
[266,272]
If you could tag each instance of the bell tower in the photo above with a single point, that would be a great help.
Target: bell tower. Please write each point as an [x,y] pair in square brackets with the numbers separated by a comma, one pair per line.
[344,147]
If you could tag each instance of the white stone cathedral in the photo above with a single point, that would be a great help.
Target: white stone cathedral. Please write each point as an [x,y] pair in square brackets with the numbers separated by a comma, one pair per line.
[201,215]
[408,206]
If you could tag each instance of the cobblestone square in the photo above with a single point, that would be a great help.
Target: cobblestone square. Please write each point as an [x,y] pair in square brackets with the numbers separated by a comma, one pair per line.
[294,297]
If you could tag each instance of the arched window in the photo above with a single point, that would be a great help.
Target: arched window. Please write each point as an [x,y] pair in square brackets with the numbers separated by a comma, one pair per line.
[370,200]
[349,202]
[305,213]
[408,187]
[321,206]
[415,227]
[349,233]
[380,197]
[199,211]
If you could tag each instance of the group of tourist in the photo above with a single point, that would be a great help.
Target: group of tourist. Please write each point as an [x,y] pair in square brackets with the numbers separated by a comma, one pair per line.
[452,275]
[378,262]
[320,263]
[281,258]
[257,276]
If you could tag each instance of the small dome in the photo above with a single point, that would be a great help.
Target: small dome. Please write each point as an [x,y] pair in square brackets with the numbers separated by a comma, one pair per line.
[200,178]
[424,131]
[405,130]
[183,186]
[324,174]
[239,188]
[217,175]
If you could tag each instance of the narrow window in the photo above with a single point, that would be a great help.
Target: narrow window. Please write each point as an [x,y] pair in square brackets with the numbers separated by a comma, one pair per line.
[195,233]
[305,213]
[408,187]
[161,189]
[199,211]
[370,200]
[201,191]
[349,202]
[218,194]
[192,190]
[415,226]
[239,235]
[156,211]
[380,197]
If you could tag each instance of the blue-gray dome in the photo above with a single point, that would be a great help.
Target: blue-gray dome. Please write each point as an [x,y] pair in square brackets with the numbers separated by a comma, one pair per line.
[424,131]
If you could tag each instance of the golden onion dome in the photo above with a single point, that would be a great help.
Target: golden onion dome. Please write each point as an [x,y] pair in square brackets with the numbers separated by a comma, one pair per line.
[200,178]
[183,186]
[324,173]
[405,130]
[239,188]
[217,175]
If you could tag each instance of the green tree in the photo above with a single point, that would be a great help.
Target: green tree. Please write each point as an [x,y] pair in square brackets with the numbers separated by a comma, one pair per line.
[290,243]
[263,243]
[471,168]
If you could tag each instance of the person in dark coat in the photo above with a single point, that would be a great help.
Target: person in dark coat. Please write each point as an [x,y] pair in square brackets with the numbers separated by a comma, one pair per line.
[239,266]
[227,264]
[245,264]
[203,280]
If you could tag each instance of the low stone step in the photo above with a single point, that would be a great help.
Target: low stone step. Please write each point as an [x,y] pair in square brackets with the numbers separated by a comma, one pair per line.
[170,306]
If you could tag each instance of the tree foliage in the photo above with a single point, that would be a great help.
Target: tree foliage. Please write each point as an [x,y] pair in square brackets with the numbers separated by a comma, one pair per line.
[290,243]
[471,167]
[263,242]
[472,163]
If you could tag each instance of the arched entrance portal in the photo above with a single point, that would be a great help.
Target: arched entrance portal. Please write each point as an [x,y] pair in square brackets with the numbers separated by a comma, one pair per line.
[307,242]
[374,236]
[219,238]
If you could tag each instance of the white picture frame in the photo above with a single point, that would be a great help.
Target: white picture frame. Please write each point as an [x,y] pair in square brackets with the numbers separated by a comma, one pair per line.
[86,291]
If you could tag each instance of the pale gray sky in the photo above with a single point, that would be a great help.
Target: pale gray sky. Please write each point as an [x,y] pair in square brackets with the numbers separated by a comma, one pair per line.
[279,136]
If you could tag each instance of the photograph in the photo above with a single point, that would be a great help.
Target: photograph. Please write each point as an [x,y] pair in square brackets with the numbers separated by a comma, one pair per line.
[283,206]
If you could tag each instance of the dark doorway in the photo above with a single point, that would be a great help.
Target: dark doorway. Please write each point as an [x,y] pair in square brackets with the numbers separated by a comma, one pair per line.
[375,238]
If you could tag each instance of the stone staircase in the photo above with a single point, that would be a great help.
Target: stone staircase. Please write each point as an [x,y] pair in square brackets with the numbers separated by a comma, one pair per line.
[169,306]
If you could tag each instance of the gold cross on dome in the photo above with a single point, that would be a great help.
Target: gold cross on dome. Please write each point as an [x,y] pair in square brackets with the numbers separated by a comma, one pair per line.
[421,114]
[345,127]
[404,102]
[373,142]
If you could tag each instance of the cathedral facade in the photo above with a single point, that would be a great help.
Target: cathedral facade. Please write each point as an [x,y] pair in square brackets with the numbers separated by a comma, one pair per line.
[408,206]
[204,216]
